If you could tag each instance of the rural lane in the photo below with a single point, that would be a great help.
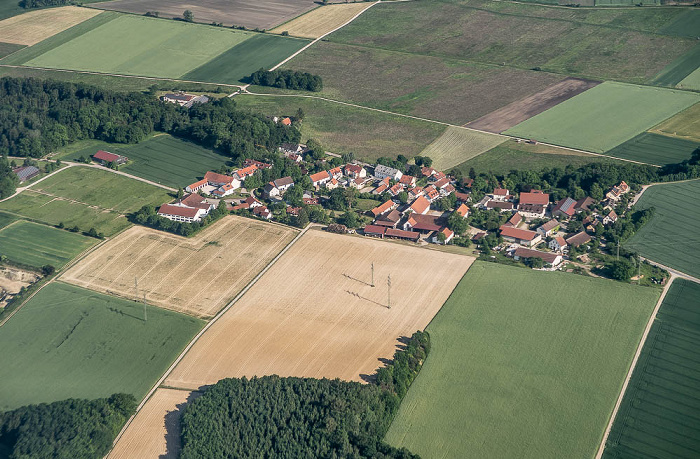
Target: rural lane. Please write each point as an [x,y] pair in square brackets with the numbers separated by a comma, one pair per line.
[96,166]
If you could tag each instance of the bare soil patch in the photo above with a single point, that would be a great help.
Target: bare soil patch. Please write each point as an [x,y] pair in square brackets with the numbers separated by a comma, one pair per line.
[315,313]
[12,280]
[261,14]
[155,431]
[517,112]
[35,26]
[197,275]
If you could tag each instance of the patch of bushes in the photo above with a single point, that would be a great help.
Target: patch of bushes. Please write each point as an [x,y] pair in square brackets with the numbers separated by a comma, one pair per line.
[287,79]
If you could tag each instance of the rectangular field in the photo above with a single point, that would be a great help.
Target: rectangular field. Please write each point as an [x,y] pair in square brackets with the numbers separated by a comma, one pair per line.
[320,21]
[315,314]
[85,197]
[655,149]
[671,236]
[658,415]
[519,111]
[457,145]
[135,45]
[38,245]
[605,116]
[523,364]
[261,14]
[685,124]
[68,342]
[345,129]
[35,26]
[197,275]
[260,51]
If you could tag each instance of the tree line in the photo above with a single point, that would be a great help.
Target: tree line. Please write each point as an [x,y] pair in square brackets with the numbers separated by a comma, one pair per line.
[27,4]
[38,117]
[273,416]
[287,79]
[67,429]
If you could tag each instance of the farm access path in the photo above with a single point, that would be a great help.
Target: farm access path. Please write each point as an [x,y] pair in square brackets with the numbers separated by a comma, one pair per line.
[203,330]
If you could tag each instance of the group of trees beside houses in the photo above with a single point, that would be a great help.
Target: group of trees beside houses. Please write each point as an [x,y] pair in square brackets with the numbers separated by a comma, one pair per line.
[273,416]
[37,117]
[69,428]
[287,79]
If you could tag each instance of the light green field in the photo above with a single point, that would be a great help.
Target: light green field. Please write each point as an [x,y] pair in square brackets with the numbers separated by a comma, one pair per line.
[67,342]
[38,245]
[86,197]
[523,364]
[604,116]
[692,81]
[457,145]
[136,45]
[685,124]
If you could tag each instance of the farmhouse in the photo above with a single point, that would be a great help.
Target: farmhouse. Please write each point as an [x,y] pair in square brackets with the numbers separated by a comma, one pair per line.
[548,228]
[501,206]
[25,173]
[551,259]
[578,239]
[420,206]
[565,208]
[276,188]
[319,179]
[422,223]
[191,208]
[184,100]
[534,197]
[520,236]
[530,211]
[558,244]
[105,157]
[388,219]
[382,172]
[355,171]
[388,205]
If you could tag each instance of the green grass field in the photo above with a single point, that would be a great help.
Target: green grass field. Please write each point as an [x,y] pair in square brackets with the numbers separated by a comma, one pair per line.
[671,237]
[162,158]
[523,364]
[685,124]
[658,415]
[457,145]
[600,44]
[684,25]
[6,219]
[511,155]
[604,116]
[344,129]
[260,51]
[38,245]
[137,45]
[692,81]
[655,149]
[86,197]
[8,48]
[69,342]
[680,70]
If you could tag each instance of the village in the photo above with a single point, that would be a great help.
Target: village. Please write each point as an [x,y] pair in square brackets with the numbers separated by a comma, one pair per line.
[425,206]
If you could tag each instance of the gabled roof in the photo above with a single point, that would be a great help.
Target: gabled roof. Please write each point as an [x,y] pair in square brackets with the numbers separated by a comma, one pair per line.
[442,183]
[284,181]
[213,177]
[584,203]
[500,192]
[169,209]
[392,232]
[355,168]
[463,210]
[464,197]
[534,197]
[420,205]
[198,184]
[549,226]
[447,232]
[517,233]
[246,171]
[407,180]
[427,171]
[578,239]
[286,121]
[374,229]
[515,219]
[566,206]
[106,156]
[506,205]
[380,209]
[319,176]
[396,189]
[560,241]
[547,257]
[425,222]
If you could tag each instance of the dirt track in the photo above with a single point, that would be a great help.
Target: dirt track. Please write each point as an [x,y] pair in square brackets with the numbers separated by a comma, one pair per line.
[198,275]
[505,118]
[315,314]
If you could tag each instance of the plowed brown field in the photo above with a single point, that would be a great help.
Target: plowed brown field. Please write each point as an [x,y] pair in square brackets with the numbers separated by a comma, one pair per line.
[197,275]
[315,314]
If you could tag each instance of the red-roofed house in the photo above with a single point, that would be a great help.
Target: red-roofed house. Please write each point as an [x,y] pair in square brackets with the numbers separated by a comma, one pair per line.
[565,208]
[242,174]
[262,212]
[427,171]
[396,189]
[336,172]
[249,203]
[520,236]
[431,193]
[578,239]
[558,244]
[215,179]
[535,197]
[548,228]
[408,181]
[500,194]
[552,259]
[196,186]
[448,233]
[286,121]
[420,205]
[388,205]
[105,157]
[355,171]
[514,220]
[463,210]
[319,179]
[422,223]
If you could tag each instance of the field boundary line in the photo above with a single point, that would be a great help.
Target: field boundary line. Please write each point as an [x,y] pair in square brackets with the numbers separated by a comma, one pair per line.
[321,37]
[201,333]
[608,428]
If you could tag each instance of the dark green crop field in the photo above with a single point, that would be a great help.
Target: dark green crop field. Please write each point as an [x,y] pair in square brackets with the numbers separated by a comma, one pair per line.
[659,412]
[68,342]
[685,25]
[678,70]
[671,237]
[655,149]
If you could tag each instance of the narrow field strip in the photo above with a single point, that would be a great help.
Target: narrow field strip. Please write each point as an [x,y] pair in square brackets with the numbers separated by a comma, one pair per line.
[457,145]
[322,20]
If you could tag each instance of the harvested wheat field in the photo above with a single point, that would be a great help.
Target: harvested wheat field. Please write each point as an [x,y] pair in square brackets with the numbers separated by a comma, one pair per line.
[197,275]
[35,26]
[521,110]
[322,20]
[315,314]
[155,431]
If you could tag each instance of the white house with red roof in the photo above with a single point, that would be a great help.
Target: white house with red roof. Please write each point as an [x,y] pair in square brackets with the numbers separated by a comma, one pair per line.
[355,171]
[191,208]
[320,178]
[558,244]
[420,206]
[408,181]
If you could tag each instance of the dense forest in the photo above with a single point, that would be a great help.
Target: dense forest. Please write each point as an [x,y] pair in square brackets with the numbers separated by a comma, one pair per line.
[8,179]
[37,117]
[67,429]
[302,417]
[287,79]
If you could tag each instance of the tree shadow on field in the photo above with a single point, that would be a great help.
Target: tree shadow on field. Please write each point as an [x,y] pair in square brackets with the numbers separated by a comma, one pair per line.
[402,342]
[173,429]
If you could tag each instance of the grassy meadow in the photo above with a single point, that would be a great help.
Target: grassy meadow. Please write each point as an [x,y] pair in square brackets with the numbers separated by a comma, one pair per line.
[655,149]
[85,197]
[38,245]
[67,342]
[658,415]
[604,116]
[671,236]
[457,145]
[345,129]
[523,364]
[685,124]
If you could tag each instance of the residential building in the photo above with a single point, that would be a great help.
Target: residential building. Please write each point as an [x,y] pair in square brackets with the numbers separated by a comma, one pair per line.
[616,192]
[500,194]
[408,181]
[610,218]
[565,208]
[520,236]
[558,244]
[463,211]
[514,220]
[276,188]
[262,212]
[105,157]
[462,197]
[428,171]
[336,172]
[534,197]
[319,179]
[386,206]
[548,228]
[332,184]
[224,190]
[355,171]
[242,174]
[578,239]
[388,219]
[420,205]
[191,208]
[431,193]
[259,164]
[293,149]
[248,203]
[381,172]
[448,233]
[551,259]
[25,173]
[584,203]
[396,189]
[531,211]
[501,206]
